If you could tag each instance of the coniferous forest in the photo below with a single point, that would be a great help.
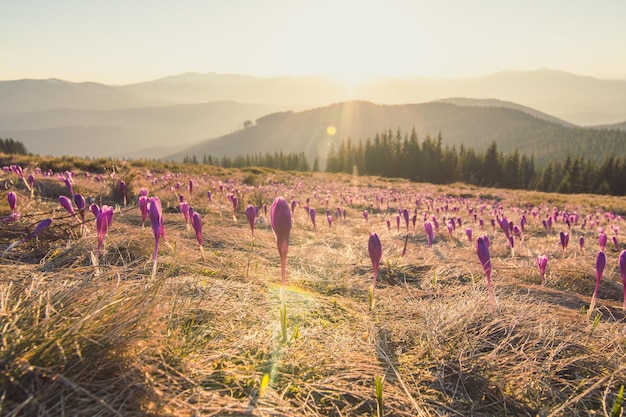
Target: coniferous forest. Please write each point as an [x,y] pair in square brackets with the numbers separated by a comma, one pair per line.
[402,155]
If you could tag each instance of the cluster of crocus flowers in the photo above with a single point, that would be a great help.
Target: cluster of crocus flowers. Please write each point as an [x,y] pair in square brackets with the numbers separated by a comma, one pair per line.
[375,250]
[280,219]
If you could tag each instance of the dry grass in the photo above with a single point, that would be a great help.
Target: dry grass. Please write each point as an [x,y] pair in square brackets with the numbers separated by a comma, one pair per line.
[80,340]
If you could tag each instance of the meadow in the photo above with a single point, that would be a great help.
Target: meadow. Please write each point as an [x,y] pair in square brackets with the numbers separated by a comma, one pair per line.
[98,331]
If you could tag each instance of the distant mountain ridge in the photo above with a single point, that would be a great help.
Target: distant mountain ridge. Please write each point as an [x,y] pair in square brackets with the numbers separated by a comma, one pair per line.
[63,118]
[471,126]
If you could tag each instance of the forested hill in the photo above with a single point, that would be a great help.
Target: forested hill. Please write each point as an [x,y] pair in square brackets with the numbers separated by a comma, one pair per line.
[471,126]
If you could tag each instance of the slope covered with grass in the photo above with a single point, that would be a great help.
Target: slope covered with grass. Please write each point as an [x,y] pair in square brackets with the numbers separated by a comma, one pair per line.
[79,339]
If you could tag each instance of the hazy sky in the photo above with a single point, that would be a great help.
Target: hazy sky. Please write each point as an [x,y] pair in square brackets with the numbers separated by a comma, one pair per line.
[123,41]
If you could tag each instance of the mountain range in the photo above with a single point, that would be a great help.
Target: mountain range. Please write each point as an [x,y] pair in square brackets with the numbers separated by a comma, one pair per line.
[206,113]
[475,126]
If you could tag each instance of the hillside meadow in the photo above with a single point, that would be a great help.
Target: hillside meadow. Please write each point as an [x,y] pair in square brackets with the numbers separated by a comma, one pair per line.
[95,333]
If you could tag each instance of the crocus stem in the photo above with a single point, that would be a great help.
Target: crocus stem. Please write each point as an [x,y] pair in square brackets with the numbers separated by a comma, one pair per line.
[154,264]
[592,305]
[202,252]
[283,272]
[283,321]
[489,290]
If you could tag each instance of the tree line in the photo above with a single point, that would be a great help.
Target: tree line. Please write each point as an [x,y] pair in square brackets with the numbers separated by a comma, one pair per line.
[277,160]
[402,155]
[10,146]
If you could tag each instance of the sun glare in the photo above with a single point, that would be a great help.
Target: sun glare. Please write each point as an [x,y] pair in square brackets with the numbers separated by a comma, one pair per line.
[331,130]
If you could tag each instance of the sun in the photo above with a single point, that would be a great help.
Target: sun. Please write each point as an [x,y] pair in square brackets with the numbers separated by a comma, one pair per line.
[331,130]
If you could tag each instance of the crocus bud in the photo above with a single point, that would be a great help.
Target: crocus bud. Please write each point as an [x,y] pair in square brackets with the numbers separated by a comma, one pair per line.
[79,200]
[312,214]
[155,214]
[12,199]
[66,204]
[622,269]
[280,220]
[196,223]
[542,263]
[251,214]
[430,233]
[375,250]
[600,265]
[602,241]
[485,260]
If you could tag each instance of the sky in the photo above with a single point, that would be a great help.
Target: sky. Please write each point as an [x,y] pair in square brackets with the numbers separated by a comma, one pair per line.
[126,41]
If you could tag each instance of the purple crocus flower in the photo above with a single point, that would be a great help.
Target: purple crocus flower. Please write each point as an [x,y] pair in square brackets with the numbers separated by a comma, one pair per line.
[70,189]
[156,219]
[123,191]
[31,181]
[622,270]
[542,263]
[405,214]
[468,232]
[183,206]
[329,218]
[103,221]
[600,265]
[389,225]
[564,239]
[602,241]
[251,215]
[375,250]
[485,260]
[312,214]
[93,207]
[196,223]
[615,244]
[80,202]
[12,200]
[280,219]
[398,222]
[581,243]
[366,215]
[66,203]
[235,202]
[143,203]
[430,233]
[143,192]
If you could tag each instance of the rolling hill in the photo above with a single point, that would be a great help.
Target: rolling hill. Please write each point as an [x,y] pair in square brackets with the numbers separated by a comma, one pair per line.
[126,132]
[471,126]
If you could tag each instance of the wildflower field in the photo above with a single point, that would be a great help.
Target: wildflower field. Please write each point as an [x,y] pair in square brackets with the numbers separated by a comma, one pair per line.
[141,289]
